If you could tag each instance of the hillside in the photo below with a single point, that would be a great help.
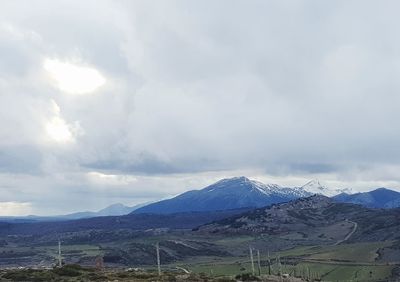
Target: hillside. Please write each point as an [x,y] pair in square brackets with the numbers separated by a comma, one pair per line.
[132,222]
[331,236]
[317,217]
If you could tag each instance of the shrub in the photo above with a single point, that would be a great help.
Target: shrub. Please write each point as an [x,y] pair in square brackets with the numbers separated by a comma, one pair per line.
[247,277]
[71,270]
[29,275]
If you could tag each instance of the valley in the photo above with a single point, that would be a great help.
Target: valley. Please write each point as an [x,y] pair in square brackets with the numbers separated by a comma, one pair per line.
[312,238]
[221,256]
[199,141]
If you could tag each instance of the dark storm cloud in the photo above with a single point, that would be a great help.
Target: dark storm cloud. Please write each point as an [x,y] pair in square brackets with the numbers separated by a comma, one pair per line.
[20,159]
[313,168]
[145,163]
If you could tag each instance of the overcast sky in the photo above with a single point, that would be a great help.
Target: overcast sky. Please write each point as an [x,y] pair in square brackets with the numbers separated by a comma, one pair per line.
[132,101]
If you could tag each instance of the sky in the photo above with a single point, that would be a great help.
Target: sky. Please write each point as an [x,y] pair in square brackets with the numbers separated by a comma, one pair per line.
[133,101]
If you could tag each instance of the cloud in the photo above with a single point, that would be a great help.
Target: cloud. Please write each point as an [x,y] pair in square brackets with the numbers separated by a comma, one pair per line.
[14,208]
[189,92]
[73,78]
[20,159]
[110,179]
[59,130]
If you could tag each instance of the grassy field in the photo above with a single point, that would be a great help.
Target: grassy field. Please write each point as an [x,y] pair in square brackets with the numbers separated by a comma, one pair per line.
[345,262]
[89,250]
[325,272]
[359,252]
[234,240]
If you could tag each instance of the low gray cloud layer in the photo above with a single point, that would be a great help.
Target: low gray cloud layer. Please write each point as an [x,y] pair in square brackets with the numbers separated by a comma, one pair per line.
[193,91]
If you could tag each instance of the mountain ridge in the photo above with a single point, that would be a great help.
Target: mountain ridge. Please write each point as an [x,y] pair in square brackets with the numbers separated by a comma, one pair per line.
[229,193]
[239,192]
[315,187]
[378,198]
[116,209]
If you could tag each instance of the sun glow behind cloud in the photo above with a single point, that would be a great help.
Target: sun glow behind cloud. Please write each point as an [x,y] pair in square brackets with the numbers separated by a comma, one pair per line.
[73,78]
[110,179]
[59,130]
[15,208]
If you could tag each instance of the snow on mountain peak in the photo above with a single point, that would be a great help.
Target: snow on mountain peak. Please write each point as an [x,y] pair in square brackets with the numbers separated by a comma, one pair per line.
[312,187]
[258,187]
[242,181]
[315,187]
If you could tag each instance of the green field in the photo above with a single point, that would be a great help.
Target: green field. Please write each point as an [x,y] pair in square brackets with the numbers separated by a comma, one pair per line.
[360,252]
[347,262]
[326,272]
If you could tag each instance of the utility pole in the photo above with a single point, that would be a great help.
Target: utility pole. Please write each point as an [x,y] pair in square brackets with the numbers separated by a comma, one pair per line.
[59,254]
[269,264]
[259,263]
[252,260]
[278,259]
[158,259]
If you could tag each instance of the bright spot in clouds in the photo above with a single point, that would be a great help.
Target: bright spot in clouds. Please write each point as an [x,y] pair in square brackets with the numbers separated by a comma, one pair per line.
[110,179]
[15,208]
[73,78]
[59,131]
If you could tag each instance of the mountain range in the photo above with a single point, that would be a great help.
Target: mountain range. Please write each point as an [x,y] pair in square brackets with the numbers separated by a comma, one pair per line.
[232,193]
[240,192]
[315,187]
[378,198]
[112,210]
[316,218]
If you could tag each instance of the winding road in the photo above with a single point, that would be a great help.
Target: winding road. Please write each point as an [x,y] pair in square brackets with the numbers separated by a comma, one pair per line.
[350,233]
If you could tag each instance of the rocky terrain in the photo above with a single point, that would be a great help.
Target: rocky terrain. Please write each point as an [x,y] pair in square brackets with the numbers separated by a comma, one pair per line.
[317,217]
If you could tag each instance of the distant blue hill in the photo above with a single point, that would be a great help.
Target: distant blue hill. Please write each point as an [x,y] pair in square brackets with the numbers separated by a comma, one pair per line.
[379,198]
[112,210]
[226,194]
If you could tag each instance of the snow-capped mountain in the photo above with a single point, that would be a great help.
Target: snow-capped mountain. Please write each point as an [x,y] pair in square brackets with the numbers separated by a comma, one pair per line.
[315,187]
[232,193]
[256,186]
